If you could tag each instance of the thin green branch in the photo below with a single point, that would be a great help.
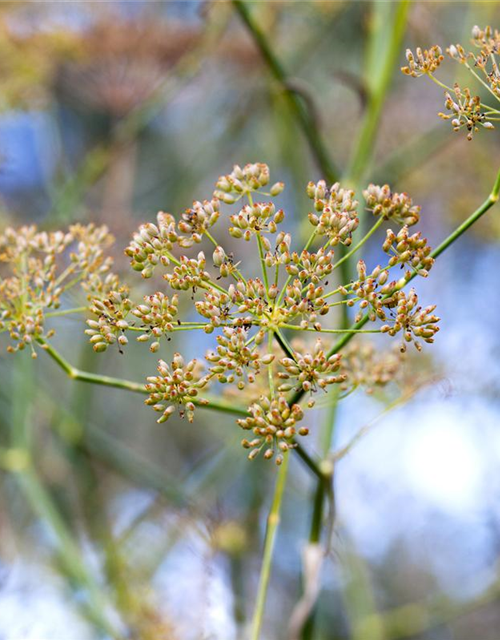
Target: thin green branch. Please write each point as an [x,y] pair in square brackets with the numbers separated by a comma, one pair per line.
[128,385]
[65,312]
[379,82]
[270,539]
[359,244]
[350,330]
[297,105]
[284,344]
[263,264]
[136,387]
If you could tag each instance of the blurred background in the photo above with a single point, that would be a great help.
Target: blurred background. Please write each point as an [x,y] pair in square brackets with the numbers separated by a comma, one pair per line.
[112,111]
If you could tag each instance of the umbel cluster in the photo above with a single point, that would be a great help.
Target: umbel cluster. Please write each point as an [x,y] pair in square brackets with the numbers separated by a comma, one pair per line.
[252,308]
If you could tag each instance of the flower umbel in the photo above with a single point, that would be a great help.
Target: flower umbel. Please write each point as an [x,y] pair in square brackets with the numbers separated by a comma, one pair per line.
[249,308]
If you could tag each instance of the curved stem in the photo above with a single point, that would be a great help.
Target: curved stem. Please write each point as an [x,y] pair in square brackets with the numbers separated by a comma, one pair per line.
[128,385]
[393,27]
[65,312]
[213,403]
[304,118]
[269,542]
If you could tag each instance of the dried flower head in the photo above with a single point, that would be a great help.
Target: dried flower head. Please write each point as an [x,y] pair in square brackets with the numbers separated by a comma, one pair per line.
[175,385]
[466,111]
[381,201]
[336,209]
[363,365]
[39,268]
[272,422]
[423,62]
[152,244]
[310,371]
[241,181]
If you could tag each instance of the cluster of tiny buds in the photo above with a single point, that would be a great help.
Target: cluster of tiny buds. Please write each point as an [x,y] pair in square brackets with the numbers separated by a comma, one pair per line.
[466,111]
[249,315]
[336,209]
[190,273]
[423,62]
[195,221]
[411,319]
[241,181]
[175,386]
[487,37]
[311,266]
[255,218]
[365,366]
[235,359]
[391,305]
[399,207]
[310,371]
[152,244]
[272,422]
[409,250]
[111,324]
[156,314]
[40,267]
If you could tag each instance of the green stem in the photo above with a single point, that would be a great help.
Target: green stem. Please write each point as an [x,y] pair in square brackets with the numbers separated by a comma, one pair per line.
[263,263]
[379,84]
[350,330]
[118,383]
[270,539]
[290,277]
[298,107]
[65,312]
[270,366]
[284,344]
[360,243]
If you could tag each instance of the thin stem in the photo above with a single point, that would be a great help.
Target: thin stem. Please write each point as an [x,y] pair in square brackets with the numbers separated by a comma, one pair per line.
[360,243]
[270,366]
[270,539]
[263,263]
[290,277]
[349,330]
[485,84]
[312,464]
[439,83]
[298,107]
[284,344]
[65,312]
[128,385]
[211,238]
[449,89]
[379,83]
